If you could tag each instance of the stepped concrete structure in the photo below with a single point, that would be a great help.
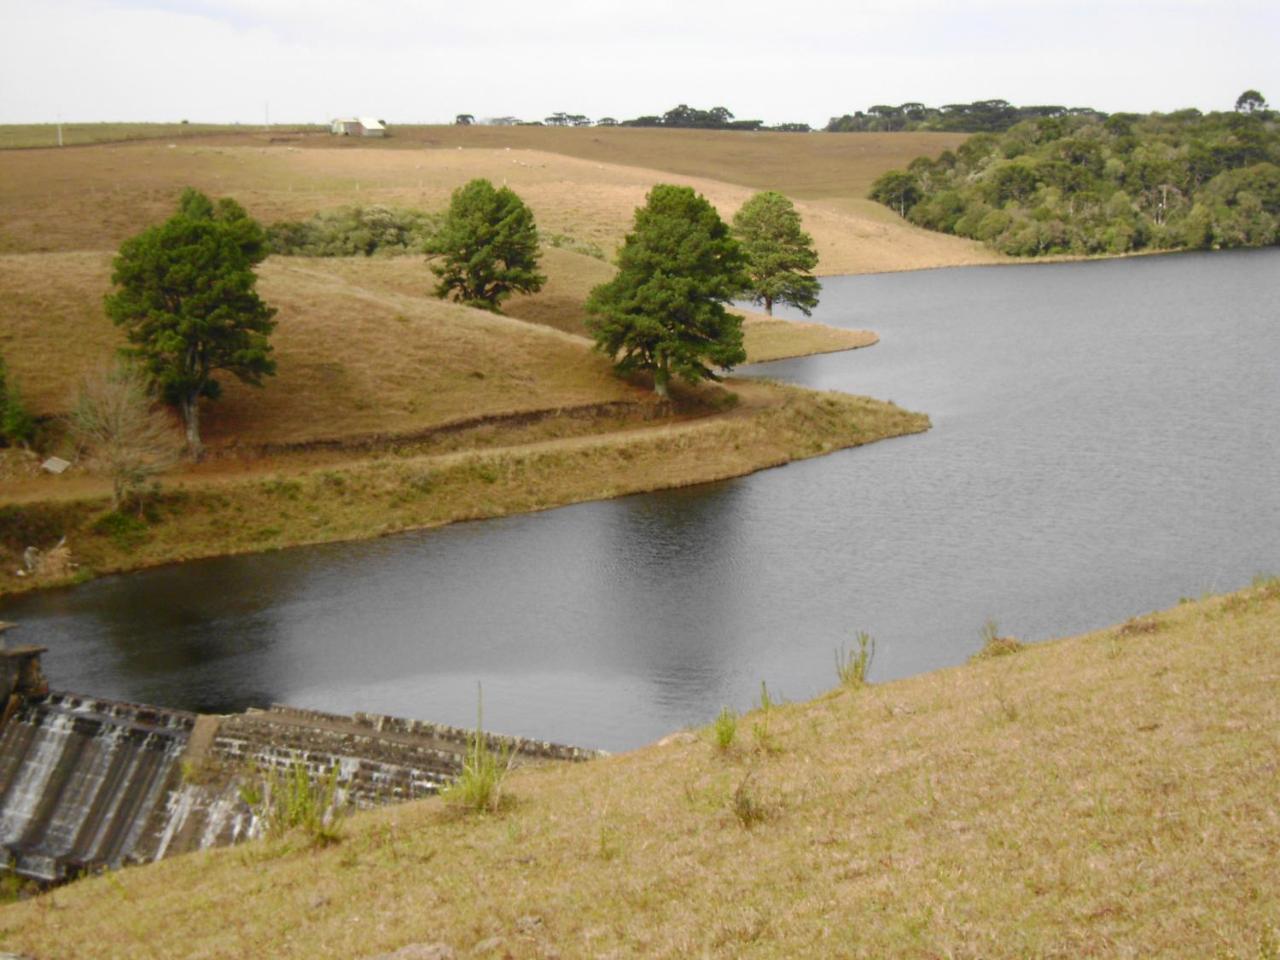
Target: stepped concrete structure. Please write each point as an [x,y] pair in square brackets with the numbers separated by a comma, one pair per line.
[89,784]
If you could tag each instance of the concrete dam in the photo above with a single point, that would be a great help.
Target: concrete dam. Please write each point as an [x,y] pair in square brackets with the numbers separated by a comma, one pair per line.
[89,784]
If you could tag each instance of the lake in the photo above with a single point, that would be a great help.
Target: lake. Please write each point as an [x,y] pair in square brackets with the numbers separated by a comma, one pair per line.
[1105,441]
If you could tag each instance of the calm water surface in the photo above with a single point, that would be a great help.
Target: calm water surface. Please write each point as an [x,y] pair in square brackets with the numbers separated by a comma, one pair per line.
[1105,441]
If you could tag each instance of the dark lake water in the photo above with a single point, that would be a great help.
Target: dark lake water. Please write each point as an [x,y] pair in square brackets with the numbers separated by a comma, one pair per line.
[1105,441]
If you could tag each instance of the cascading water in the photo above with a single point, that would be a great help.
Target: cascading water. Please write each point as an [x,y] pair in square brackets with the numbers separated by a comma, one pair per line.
[80,779]
[87,784]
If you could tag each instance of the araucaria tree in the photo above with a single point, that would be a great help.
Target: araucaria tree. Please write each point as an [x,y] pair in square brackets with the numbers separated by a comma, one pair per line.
[186,300]
[779,253]
[664,310]
[487,247]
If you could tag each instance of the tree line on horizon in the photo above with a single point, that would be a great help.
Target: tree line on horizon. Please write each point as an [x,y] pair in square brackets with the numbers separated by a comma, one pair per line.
[682,116]
[980,116]
[1079,184]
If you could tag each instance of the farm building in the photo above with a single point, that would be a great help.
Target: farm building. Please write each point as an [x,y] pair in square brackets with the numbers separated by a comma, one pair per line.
[358,127]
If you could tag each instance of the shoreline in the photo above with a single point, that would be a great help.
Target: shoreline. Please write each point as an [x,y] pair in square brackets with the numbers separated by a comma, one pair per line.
[383,495]
[1080,795]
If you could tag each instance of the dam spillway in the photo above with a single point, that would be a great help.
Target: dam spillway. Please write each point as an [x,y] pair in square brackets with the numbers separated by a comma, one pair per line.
[80,779]
[89,784]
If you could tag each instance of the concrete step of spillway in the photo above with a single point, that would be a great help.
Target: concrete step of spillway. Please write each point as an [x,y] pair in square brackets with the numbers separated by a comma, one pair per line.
[79,779]
[87,783]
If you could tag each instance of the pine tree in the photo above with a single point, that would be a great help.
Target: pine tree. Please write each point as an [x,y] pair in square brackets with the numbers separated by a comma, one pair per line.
[664,311]
[779,253]
[488,247]
[186,300]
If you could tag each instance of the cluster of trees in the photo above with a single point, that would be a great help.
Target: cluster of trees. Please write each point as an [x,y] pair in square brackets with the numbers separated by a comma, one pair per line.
[981,116]
[679,117]
[1076,184]
[717,118]
[664,311]
[185,297]
[352,232]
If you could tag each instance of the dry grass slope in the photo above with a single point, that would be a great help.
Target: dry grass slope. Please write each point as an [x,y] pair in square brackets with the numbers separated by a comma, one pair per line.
[46,194]
[1108,795]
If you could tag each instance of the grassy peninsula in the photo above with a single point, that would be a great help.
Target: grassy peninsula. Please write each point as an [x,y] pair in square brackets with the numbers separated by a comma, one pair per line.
[1106,795]
[392,410]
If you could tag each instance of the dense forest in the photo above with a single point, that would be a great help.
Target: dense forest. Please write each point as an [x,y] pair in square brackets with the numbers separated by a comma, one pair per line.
[981,116]
[1077,184]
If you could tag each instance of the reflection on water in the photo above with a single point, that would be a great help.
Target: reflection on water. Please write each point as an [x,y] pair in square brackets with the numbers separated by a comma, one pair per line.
[1104,441]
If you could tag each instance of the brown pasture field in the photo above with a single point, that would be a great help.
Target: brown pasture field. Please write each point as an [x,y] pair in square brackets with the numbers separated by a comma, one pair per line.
[92,198]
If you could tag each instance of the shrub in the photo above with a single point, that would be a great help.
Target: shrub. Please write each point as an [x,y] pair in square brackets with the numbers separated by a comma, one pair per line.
[354,232]
[479,786]
[17,426]
[121,432]
[125,530]
[725,728]
[852,665]
[290,800]
[748,810]
[994,645]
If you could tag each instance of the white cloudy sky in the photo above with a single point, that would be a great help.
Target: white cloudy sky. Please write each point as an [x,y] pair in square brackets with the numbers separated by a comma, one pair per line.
[423,60]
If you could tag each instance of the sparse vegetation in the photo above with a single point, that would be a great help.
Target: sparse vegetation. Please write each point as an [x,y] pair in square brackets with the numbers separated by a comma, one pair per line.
[853,665]
[120,433]
[724,730]
[747,807]
[478,789]
[289,800]
[17,426]
[994,645]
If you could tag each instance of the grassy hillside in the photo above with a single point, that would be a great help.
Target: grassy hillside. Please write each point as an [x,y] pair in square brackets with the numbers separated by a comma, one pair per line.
[1111,795]
[34,135]
[94,198]
[803,166]
[371,366]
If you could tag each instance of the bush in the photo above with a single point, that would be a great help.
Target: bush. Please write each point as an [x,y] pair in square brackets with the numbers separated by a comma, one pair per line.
[124,530]
[725,728]
[17,426]
[852,665]
[994,645]
[479,787]
[291,800]
[353,232]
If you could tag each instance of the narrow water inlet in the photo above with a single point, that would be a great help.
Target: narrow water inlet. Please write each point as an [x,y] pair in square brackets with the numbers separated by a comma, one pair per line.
[89,784]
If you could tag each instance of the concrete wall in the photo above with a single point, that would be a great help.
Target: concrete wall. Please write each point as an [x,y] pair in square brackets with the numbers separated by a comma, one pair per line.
[87,783]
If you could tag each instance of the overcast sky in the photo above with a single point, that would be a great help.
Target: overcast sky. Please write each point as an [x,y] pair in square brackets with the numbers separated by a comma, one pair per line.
[226,60]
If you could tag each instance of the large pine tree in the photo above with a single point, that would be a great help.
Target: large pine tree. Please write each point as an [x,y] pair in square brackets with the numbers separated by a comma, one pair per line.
[664,311]
[186,300]
[779,253]
[487,247]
